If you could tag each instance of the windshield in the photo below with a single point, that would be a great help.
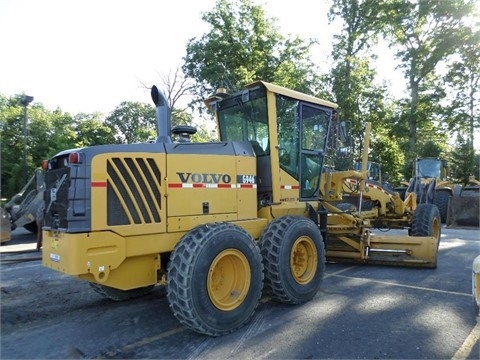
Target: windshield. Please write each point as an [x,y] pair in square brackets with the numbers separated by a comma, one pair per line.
[429,168]
[244,118]
[373,169]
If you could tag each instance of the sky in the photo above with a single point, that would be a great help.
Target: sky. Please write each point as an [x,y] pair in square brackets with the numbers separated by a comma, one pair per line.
[90,55]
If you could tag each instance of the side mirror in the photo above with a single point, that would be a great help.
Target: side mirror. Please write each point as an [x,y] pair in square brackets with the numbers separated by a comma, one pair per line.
[343,132]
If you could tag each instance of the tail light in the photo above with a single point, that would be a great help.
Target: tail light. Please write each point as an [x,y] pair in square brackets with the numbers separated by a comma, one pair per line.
[74,158]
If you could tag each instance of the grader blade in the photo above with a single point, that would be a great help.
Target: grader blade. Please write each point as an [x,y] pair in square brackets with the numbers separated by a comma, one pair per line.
[408,251]
[415,251]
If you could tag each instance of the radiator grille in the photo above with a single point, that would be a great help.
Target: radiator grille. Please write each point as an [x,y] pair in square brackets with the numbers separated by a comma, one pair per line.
[133,191]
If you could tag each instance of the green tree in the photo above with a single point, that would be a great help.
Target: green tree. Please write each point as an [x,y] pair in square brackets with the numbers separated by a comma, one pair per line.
[11,120]
[351,70]
[464,79]
[47,133]
[90,130]
[432,136]
[242,46]
[463,161]
[352,77]
[386,151]
[424,33]
[132,122]
[55,132]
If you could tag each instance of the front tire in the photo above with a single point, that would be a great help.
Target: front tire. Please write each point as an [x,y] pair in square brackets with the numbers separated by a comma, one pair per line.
[294,258]
[441,200]
[426,222]
[215,279]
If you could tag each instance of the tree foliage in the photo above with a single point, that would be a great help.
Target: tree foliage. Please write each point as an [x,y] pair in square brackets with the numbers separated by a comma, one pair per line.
[132,122]
[90,129]
[242,46]
[47,133]
[436,42]
[386,151]
[464,79]
[353,75]
[463,162]
[424,33]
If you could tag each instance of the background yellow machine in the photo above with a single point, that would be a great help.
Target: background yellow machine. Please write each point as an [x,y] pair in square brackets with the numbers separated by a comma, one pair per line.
[459,205]
[221,223]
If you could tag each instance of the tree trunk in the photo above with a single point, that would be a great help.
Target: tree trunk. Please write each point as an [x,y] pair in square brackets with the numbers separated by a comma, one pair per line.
[412,120]
[473,89]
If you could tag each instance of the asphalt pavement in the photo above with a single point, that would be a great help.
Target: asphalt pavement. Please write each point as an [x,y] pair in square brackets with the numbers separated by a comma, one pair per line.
[361,312]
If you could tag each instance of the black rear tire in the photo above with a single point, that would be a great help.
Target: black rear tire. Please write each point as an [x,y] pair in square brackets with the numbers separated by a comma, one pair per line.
[294,258]
[215,279]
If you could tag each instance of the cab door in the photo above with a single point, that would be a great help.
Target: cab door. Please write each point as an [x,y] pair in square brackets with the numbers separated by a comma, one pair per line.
[314,128]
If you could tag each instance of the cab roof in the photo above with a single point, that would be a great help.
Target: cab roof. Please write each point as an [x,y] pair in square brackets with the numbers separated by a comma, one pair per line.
[283,91]
[292,93]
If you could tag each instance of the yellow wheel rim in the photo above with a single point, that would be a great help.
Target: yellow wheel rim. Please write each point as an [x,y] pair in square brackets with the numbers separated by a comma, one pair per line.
[228,279]
[303,260]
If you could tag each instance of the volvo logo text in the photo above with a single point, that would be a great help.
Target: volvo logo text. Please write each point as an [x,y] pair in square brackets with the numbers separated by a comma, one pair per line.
[204,178]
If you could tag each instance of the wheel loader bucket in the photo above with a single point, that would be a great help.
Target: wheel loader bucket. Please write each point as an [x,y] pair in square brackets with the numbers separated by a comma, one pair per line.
[464,210]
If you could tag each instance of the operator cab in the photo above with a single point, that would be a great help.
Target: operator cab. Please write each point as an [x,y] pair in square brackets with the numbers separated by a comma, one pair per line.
[427,168]
[373,170]
[288,132]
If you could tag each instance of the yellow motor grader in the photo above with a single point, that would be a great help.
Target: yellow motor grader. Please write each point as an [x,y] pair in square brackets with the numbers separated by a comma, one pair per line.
[221,223]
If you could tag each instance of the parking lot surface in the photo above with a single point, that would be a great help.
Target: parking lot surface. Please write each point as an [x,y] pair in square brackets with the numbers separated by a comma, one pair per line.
[361,312]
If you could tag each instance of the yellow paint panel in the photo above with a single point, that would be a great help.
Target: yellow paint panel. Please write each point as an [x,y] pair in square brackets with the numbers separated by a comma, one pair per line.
[186,223]
[84,253]
[247,196]
[207,185]
[289,187]
[127,177]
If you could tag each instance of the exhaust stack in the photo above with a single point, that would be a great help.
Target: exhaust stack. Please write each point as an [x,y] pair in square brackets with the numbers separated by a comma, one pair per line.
[163,116]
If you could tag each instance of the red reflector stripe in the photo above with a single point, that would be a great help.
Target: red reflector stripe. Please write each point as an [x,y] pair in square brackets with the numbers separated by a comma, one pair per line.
[211,186]
[289,187]
[99,184]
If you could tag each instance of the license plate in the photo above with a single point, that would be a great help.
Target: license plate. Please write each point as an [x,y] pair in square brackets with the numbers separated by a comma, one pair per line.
[53,194]
[55,257]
